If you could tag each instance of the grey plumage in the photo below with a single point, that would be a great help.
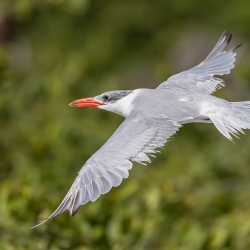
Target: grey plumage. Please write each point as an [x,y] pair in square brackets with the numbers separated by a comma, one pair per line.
[201,77]
[152,117]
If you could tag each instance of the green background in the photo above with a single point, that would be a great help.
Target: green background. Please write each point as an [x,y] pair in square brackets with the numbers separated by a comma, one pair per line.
[195,194]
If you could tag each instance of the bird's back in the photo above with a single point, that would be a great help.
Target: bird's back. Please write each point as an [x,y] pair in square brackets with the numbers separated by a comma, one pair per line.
[179,105]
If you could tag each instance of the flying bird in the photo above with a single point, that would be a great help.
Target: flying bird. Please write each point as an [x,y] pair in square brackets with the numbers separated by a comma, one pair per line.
[152,116]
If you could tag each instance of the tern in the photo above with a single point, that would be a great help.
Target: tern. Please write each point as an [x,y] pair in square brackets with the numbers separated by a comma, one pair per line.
[152,116]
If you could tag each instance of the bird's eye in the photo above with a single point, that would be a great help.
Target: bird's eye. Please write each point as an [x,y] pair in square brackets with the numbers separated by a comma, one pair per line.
[105,97]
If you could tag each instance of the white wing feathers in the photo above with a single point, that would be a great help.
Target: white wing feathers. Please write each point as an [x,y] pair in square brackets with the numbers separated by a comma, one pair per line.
[201,77]
[140,134]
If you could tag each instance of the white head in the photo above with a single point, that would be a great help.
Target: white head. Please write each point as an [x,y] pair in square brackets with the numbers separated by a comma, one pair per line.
[118,101]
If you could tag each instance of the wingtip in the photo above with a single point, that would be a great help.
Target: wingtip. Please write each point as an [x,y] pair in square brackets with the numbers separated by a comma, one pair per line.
[237,47]
[39,223]
[227,35]
[73,212]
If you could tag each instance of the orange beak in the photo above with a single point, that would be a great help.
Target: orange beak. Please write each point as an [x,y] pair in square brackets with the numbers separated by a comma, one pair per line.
[86,102]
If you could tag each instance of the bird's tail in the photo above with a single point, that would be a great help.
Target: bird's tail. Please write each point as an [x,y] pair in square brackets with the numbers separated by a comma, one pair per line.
[231,121]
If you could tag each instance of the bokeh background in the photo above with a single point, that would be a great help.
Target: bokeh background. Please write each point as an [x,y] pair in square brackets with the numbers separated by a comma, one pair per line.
[195,195]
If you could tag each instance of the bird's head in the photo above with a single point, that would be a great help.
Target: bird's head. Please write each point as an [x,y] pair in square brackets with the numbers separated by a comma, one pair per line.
[115,101]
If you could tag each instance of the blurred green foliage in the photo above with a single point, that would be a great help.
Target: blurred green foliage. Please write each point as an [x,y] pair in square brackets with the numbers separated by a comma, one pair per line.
[195,195]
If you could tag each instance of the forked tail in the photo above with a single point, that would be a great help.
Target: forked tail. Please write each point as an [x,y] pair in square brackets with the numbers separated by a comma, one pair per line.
[231,121]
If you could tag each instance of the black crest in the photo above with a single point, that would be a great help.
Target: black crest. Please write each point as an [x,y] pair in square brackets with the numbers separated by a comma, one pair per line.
[113,96]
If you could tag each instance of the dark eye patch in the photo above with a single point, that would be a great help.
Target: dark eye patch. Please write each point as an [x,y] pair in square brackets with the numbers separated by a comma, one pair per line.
[113,96]
[105,97]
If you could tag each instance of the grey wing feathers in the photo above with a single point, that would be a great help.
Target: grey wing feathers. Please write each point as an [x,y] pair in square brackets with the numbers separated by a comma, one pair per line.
[201,77]
[139,135]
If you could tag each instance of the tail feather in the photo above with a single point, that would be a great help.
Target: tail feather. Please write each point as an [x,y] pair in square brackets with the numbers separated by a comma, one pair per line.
[220,126]
[232,121]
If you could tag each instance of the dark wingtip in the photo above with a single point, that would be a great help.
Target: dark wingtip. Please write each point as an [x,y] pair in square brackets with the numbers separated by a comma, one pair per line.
[73,212]
[228,37]
[237,47]
[75,205]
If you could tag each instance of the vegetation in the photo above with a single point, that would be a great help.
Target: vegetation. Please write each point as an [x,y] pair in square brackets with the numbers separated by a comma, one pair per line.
[195,195]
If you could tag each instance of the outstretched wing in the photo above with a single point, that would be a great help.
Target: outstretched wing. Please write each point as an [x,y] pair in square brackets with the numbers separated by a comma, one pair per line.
[140,134]
[201,77]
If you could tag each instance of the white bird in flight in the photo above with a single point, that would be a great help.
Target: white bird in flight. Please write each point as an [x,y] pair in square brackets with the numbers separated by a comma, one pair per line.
[152,117]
